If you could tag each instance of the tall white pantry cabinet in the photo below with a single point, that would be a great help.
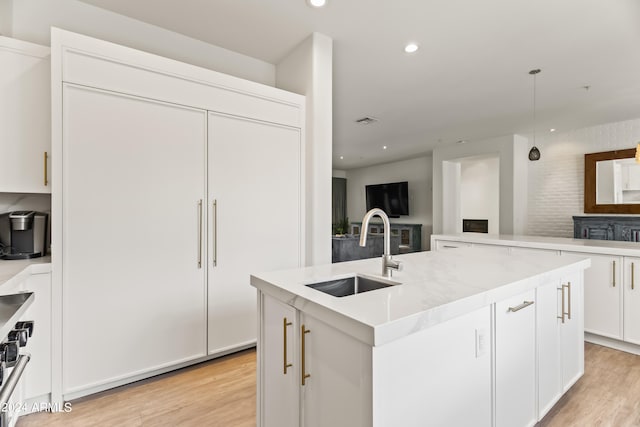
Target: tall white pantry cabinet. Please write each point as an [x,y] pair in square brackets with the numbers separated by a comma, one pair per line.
[172,184]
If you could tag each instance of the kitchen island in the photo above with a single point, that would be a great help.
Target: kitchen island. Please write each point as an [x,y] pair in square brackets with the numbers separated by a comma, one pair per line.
[465,337]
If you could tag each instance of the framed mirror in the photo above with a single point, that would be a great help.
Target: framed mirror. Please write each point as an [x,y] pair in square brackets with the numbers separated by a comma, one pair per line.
[612,182]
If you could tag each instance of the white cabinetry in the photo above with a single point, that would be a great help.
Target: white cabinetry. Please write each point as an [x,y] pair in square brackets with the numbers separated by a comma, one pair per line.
[175,183]
[25,116]
[603,295]
[37,383]
[632,300]
[311,374]
[134,286]
[515,361]
[254,199]
[560,339]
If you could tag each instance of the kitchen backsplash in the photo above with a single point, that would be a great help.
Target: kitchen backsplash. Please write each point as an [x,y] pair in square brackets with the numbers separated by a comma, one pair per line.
[20,201]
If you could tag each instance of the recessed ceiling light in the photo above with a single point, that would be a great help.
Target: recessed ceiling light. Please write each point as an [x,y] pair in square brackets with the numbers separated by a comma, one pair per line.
[461,141]
[552,130]
[341,157]
[384,147]
[411,48]
[317,3]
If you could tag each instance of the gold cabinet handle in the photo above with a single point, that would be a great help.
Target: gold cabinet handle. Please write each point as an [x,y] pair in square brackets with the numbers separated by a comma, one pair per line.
[525,304]
[614,274]
[200,233]
[561,289]
[568,313]
[46,172]
[303,362]
[632,276]
[215,233]
[284,352]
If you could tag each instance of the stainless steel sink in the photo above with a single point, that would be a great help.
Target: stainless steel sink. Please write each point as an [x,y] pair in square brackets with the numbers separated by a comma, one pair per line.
[349,286]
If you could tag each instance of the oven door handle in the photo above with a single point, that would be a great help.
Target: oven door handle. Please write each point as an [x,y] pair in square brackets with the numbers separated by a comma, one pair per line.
[12,382]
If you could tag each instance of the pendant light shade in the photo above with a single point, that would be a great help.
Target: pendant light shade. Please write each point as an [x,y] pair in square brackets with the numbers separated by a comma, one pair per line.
[534,153]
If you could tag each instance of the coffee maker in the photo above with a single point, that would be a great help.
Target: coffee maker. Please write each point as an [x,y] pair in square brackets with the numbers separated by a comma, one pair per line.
[23,234]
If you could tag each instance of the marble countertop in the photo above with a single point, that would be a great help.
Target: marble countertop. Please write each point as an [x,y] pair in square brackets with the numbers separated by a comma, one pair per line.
[434,287]
[607,247]
[15,271]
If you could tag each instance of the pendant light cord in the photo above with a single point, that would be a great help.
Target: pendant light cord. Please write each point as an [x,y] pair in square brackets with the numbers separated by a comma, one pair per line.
[533,73]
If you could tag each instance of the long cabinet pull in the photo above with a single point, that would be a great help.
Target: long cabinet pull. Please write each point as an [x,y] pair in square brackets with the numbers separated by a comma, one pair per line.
[525,304]
[614,274]
[303,362]
[284,352]
[633,276]
[215,232]
[200,233]
[561,289]
[46,171]
[568,312]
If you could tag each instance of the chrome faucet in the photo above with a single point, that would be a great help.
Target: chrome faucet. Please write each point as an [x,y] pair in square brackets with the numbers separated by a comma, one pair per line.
[388,263]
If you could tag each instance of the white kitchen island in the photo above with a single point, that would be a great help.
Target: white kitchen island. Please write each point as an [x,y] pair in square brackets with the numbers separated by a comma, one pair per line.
[465,338]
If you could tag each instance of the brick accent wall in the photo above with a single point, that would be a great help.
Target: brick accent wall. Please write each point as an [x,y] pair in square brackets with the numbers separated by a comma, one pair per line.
[556,181]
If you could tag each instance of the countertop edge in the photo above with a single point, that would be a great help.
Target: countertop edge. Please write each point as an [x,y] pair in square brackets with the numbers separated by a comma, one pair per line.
[603,247]
[399,328]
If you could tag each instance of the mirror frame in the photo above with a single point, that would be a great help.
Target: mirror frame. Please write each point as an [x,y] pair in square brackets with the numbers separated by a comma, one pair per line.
[590,205]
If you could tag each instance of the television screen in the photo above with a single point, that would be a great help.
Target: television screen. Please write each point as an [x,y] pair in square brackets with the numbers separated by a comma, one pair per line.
[392,198]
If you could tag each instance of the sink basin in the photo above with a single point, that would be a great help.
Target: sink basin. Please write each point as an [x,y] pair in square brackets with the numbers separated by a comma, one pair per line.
[349,286]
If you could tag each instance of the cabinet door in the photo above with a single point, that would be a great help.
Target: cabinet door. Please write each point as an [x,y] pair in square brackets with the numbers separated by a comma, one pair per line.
[37,381]
[337,391]
[632,300]
[572,330]
[279,366]
[515,344]
[255,219]
[603,295]
[25,116]
[548,309]
[133,288]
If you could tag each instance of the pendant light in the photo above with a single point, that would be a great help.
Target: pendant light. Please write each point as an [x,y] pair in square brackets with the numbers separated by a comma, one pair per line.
[534,153]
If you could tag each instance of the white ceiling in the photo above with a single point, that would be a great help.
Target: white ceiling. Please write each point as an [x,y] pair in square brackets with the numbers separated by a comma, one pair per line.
[468,81]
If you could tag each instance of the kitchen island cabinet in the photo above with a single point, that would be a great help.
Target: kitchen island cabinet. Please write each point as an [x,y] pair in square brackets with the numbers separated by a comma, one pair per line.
[454,331]
[611,302]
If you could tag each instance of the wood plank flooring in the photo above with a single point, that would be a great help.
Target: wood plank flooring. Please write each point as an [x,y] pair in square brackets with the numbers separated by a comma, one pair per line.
[222,393]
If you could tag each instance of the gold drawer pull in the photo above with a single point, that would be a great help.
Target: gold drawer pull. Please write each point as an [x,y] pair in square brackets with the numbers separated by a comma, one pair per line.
[303,364]
[568,313]
[525,304]
[561,289]
[284,331]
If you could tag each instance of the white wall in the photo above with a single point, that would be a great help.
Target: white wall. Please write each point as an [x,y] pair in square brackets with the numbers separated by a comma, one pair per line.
[336,173]
[479,191]
[308,70]
[511,150]
[556,181]
[31,21]
[416,171]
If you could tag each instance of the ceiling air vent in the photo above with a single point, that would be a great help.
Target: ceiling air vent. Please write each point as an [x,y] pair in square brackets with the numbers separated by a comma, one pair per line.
[366,120]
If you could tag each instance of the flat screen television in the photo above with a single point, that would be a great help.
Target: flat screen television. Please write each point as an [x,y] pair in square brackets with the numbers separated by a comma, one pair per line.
[392,198]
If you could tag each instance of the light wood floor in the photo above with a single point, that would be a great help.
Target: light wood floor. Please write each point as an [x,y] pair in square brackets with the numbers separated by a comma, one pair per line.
[222,393]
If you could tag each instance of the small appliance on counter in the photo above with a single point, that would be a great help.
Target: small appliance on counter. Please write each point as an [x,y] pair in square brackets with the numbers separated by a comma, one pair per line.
[23,234]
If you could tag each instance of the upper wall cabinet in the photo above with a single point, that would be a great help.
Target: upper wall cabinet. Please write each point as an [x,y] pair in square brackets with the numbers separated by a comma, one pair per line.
[25,117]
